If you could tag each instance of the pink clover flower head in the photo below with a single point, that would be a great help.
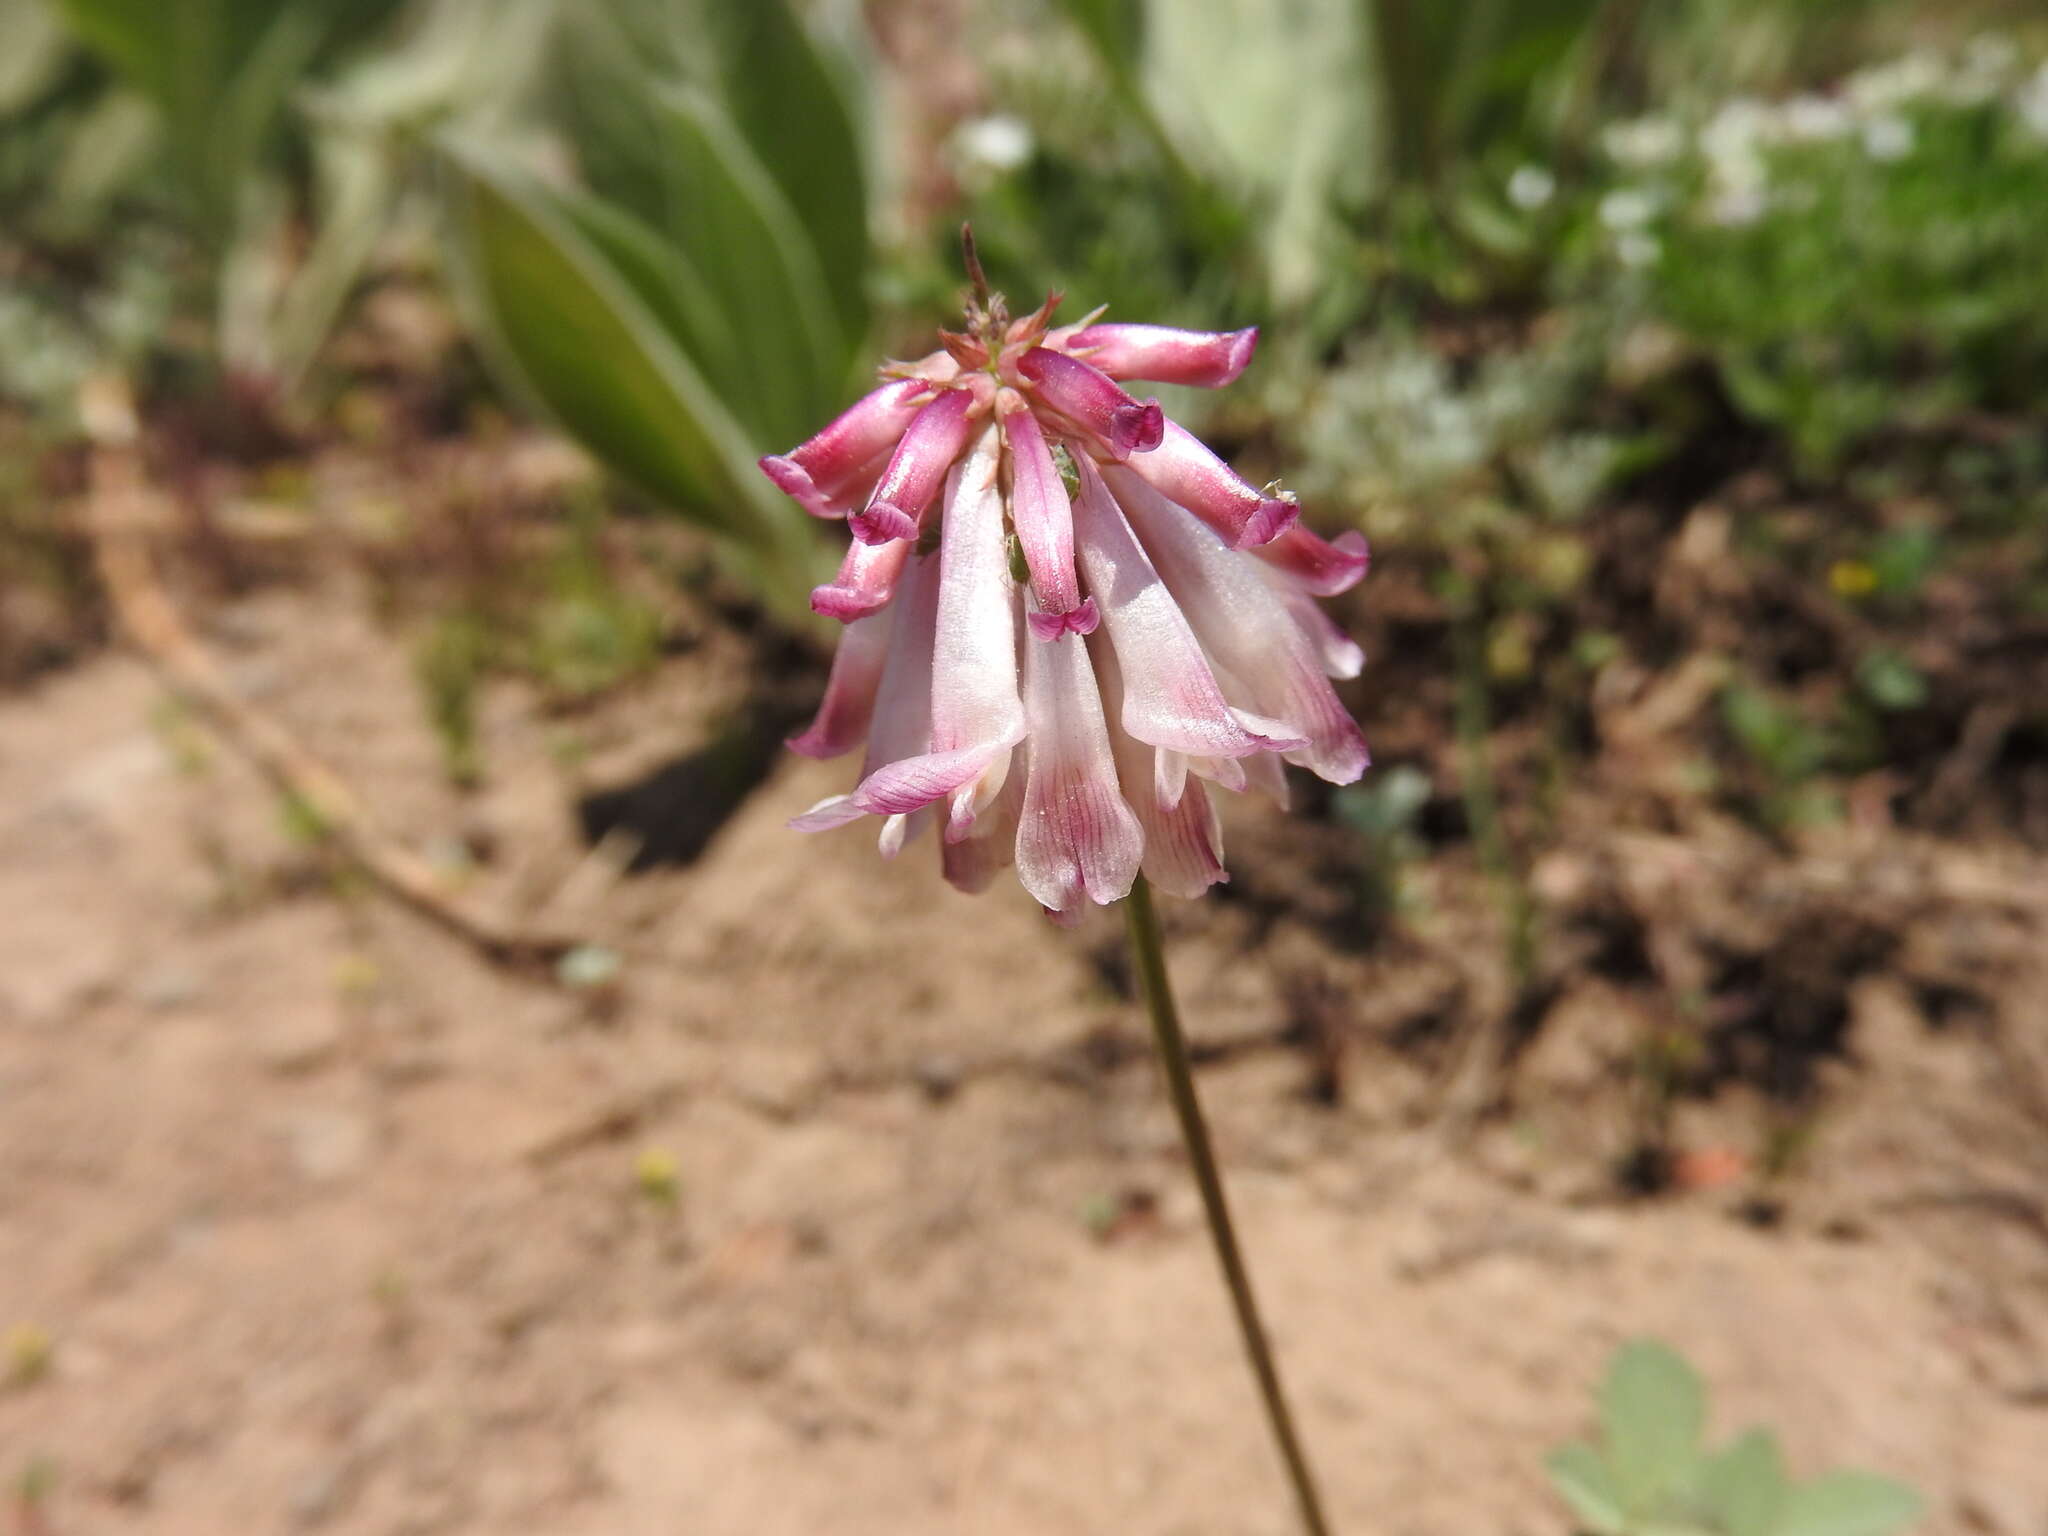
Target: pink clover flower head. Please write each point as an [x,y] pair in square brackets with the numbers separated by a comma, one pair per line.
[1067,621]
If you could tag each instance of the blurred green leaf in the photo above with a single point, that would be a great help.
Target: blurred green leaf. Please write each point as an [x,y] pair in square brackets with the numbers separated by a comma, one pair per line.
[1743,1485]
[746,240]
[1772,732]
[1891,681]
[785,96]
[1582,1477]
[218,73]
[1115,28]
[1849,1504]
[752,300]
[589,348]
[37,48]
[667,282]
[1903,558]
[1652,1411]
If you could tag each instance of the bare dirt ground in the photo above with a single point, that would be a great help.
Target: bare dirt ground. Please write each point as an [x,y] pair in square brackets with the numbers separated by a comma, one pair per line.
[311,1219]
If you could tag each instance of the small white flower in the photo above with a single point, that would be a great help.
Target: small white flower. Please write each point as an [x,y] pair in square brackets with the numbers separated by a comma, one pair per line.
[1811,119]
[1643,142]
[1887,87]
[1627,208]
[1737,131]
[2031,102]
[1531,187]
[1888,138]
[1734,206]
[1637,249]
[997,143]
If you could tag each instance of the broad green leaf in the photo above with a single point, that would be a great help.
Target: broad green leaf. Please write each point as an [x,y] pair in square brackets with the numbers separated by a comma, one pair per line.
[1115,29]
[778,82]
[573,329]
[218,72]
[357,183]
[1743,1486]
[1652,1410]
[666,281]
[1582,1477]
[672,158]
[1263,95]
[739,231]
[35,54]
[1849,1504]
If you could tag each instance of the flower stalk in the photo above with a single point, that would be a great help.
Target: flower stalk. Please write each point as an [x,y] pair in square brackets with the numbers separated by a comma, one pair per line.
[1149,951]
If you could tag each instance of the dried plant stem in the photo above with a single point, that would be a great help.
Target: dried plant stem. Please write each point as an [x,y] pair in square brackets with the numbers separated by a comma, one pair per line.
[1148,949]
[116,519]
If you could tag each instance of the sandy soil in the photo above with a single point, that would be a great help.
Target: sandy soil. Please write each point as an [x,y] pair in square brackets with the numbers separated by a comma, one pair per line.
[330,1225]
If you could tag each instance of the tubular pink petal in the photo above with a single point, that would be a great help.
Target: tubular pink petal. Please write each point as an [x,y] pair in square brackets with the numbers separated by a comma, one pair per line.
[1171,697]
[835,501]
[976,713]
[819,473]
[915,782]
[1228,772]
[1184,844]
[1266,775]
[1183,839]
[924,454]
[1185,472]
[832,811]
[901,724]
[1076,837]
[1169,768]
[1342,656]
[841,723]
[970,863]
[1092,400]
[1273,735]
[974,664]
[1043,519]
[900,831]
[1242,621]
[1162,355]
[1324,567]
[866,581]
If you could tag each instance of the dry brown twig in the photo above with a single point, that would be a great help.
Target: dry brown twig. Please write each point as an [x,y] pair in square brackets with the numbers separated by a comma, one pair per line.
[119,512]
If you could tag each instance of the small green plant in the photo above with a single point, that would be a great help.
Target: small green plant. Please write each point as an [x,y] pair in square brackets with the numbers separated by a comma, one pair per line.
[449,666]
[1787,752]
[1382,810]
[659,1177]
[1857,262]
[1651,1474]
[27,1351]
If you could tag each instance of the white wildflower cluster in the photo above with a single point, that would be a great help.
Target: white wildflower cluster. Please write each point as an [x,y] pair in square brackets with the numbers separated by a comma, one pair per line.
[1733,148]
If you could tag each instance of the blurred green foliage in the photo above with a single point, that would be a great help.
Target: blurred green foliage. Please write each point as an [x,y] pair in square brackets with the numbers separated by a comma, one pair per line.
[1517,265]
[1651,1474]
[704,294]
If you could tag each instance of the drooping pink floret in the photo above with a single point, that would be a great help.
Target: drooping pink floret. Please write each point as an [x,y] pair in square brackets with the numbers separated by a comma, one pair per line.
[1067,618]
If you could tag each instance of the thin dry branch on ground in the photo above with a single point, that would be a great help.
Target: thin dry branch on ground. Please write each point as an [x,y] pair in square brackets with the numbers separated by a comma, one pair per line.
[118,514]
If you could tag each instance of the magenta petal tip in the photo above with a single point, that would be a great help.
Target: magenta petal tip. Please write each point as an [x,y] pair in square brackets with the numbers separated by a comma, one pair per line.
[882,522]
[1075,621]
[846,603]
[1137,428]
[795,482]
[1242,345]
[1276,514]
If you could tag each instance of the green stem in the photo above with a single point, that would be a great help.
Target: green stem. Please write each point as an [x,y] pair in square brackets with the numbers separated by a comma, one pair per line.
[1149,950]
